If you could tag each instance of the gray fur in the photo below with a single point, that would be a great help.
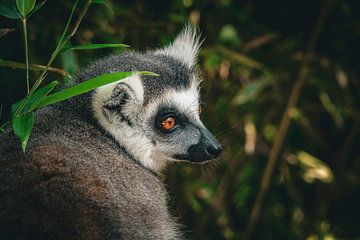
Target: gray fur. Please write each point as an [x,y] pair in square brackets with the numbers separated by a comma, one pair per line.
[76,183]
[81,179]
[173,72]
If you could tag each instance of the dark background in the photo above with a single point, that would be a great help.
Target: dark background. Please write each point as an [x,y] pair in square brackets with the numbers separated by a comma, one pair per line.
[252,56]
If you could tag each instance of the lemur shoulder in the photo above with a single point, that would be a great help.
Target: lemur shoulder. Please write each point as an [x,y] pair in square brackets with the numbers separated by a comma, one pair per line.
[92,165]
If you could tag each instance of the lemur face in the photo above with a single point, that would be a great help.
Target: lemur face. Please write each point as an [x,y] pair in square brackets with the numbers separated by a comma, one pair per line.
[156,119]
[179,133]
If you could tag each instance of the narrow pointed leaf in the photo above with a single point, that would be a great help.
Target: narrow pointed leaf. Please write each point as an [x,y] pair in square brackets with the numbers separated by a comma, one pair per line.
[37,7]
[95,46]
[25,6]
[35,99]
[22,126]
[8,9]
[88,86]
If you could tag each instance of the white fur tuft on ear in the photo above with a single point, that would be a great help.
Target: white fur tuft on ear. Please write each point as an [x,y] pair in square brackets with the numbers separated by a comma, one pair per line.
[102,94]
[185,46]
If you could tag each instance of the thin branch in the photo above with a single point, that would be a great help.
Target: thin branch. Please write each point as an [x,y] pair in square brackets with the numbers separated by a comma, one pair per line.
[80,18]
[35,67]
[283,127]
[58,48]
[26,54]
[4,31]
[3,126]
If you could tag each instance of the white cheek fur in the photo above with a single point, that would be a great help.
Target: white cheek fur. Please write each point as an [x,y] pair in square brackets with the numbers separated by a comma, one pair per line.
[134,139]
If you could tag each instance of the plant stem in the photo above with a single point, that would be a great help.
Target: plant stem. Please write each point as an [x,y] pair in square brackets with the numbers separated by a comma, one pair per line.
[26,53]
[57,50]
[2,127]
[80,18]
[5,63]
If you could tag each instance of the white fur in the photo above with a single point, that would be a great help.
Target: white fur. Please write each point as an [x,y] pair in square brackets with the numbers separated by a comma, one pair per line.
[137,86]
[185,47]
[134,139]
[104,92]
[187,101]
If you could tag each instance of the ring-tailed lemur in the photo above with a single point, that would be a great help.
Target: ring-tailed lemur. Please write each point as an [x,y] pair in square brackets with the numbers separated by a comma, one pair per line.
[92,163]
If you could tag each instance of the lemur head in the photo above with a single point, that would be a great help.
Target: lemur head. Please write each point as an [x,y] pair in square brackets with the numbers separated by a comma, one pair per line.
[156,119]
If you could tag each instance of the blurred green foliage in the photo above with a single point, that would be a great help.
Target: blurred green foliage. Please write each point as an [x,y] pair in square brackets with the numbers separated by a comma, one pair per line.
[251,57]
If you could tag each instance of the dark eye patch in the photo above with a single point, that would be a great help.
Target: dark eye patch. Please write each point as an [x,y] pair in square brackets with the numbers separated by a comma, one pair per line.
[167,111]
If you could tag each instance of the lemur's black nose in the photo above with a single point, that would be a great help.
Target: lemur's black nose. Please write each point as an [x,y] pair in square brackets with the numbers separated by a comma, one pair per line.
[214,150]
[206,149]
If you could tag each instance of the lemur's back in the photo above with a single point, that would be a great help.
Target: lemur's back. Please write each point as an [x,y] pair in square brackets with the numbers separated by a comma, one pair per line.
[75,183]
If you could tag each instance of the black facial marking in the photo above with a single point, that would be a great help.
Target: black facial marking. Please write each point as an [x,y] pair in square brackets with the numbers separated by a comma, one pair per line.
[206,149]
[123,117]
[115,105]
[126,119]
[169,111]
[116,102]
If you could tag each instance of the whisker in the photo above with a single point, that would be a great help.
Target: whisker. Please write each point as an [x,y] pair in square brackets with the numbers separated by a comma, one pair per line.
[224,132]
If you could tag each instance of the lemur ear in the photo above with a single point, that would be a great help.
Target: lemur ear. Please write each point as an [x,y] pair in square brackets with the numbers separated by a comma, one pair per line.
[123,101]
[120,95]
[128,90]
[121,104]
[185,46]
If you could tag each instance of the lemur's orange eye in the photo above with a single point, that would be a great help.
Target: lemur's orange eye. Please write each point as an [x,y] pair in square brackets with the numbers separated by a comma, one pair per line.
[168,123]
[200,109]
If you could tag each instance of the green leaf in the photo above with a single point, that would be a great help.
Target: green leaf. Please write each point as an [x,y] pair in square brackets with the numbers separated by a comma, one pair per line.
[89,85]
[25,6]
[95,46]
[37,7]
[69,64]
[34,99]
[105,3]
[249,92]
[8,9]
[22,126]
